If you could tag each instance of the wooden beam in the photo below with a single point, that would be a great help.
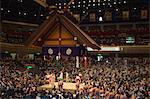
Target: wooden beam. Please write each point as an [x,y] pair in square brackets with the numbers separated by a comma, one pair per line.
[20,23]
[42,3]
[63,39]
[70,2]
[76,31]
[46,36]
[18,48]
[42,30]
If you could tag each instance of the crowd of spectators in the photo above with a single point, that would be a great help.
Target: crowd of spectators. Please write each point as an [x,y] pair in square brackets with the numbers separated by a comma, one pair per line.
[112,78]
[112,37]
[122,40]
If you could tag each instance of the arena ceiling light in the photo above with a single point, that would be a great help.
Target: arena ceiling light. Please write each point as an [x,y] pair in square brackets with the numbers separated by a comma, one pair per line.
[100,19]
[104,49]
[110,48]
[91,49]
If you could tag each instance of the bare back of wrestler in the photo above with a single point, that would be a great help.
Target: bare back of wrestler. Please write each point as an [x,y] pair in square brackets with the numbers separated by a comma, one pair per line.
[50,78]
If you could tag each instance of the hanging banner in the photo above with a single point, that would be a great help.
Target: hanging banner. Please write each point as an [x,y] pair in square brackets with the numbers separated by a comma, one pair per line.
[144,14]
[67,51]
[125,15]
[108,16]
[31,56]
[77,17]
[92,17]
[13,55]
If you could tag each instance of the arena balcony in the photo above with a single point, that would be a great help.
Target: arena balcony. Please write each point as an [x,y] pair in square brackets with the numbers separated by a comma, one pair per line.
[104,34]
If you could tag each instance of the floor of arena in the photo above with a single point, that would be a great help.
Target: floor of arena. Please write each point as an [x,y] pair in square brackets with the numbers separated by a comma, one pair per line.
[66,86]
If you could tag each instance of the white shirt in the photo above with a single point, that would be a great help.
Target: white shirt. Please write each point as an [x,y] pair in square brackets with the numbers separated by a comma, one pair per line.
[61,75]
[37,97]
[67,75]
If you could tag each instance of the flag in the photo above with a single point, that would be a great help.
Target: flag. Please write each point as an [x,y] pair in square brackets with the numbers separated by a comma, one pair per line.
[144,14]
[31,56]
[92,17]
[108,16]
[77,17]
[125,15]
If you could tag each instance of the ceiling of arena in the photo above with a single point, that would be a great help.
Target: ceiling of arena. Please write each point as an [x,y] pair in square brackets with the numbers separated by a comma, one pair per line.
[31,12]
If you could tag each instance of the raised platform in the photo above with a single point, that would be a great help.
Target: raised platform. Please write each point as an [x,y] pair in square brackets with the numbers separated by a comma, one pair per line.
[66,86]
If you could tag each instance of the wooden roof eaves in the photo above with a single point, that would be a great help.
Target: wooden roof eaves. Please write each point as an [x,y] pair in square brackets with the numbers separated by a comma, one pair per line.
[47,23]
[78,30]
[47,35]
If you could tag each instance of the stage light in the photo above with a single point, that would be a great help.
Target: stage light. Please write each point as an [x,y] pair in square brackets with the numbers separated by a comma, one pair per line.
[100,19]
[24,13]
[8,11]
[2,9]
[59,39]
[19,13]
[20,0]
[75,38]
